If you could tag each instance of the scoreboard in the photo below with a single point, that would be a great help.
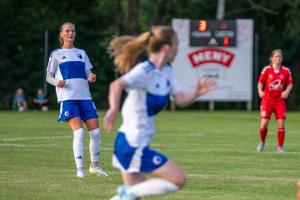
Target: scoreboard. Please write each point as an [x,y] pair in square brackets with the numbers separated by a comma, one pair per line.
[221,49]
[212,33]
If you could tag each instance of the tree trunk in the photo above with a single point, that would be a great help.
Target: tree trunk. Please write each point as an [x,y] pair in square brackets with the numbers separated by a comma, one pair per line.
[156,15]
[133,17]
[120,17]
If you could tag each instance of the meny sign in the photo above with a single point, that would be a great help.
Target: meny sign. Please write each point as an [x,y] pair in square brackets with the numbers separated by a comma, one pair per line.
[231,67]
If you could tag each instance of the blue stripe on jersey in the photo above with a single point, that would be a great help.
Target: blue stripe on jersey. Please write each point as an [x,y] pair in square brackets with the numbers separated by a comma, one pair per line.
[150,66]
[73,69]
[155,103]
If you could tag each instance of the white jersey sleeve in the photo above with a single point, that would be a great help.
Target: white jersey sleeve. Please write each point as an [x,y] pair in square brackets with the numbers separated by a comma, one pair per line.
[175,86]
[137,77]
[51,70]
[52,63]
[88,65]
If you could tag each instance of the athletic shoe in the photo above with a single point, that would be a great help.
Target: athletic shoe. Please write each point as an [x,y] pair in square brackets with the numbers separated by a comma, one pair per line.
[260,146]
[80,173]
[280,150]
[98,171]
[125,194]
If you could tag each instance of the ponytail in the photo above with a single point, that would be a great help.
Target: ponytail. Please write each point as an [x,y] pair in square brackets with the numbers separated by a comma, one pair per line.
[126,49]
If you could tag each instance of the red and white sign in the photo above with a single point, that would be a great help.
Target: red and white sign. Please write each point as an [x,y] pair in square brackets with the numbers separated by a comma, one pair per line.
[231,67]
[211,55]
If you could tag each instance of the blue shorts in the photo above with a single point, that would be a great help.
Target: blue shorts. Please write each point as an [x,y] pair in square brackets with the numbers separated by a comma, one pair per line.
[84,109]
[135,160]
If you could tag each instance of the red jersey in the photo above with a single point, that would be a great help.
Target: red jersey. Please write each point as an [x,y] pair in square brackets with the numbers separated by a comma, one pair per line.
[274,82]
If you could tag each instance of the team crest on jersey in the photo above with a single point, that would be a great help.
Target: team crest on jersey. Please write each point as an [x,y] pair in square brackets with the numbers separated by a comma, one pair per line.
[67,113]
[156,160]
[281,76]
[275,85]
[79,56]
[270,76]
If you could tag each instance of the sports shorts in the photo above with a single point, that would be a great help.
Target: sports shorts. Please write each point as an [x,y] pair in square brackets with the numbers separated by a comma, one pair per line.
[135,160]
[268,107]
[84,109]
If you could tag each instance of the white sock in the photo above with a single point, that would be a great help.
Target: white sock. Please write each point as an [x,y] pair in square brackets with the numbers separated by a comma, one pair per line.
[78,147]
[95,145]
[153,186]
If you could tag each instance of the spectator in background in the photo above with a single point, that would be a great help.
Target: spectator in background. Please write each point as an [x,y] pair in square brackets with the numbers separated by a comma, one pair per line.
[40,102]
[19,102]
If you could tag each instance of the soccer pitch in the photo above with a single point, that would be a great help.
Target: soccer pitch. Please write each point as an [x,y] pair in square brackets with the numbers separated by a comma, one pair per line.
[217,150]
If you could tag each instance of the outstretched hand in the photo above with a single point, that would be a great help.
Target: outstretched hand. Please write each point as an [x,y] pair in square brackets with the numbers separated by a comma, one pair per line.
[204,85]
[109,120]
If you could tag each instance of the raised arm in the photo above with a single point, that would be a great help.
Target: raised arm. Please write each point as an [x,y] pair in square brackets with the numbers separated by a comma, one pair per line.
[203,86]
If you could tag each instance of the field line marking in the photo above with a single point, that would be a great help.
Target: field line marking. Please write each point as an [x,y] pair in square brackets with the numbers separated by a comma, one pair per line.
[35,138]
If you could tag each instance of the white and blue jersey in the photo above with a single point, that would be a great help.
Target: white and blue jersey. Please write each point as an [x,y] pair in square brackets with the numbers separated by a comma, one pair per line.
[148,93]
[71,65]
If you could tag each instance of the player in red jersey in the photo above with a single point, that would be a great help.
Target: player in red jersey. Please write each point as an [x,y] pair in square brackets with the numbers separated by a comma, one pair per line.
[274,86]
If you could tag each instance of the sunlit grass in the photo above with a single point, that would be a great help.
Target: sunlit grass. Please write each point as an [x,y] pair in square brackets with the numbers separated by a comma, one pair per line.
[215,149]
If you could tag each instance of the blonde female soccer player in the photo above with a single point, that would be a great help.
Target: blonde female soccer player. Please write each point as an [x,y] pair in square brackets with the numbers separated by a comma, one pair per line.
[149,85]
[69,70]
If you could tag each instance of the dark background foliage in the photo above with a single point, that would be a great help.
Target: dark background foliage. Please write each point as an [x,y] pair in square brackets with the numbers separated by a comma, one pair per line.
[24,22]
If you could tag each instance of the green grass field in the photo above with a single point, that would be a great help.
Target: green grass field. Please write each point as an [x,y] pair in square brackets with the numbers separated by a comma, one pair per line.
[217,150]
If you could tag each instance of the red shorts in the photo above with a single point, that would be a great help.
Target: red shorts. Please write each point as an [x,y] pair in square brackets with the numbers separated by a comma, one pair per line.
[267,107]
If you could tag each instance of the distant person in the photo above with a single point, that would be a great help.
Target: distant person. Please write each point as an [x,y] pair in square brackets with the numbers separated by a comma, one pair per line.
[69,70]
[274,87]
[149,85]
[40,101]
[19,102]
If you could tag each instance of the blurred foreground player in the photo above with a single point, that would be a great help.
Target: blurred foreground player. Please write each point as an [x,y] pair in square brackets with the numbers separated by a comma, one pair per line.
[149,85]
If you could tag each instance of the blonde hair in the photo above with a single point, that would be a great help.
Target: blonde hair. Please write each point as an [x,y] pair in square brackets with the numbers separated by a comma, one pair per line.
[273,52]
[126,49]
[60,39]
